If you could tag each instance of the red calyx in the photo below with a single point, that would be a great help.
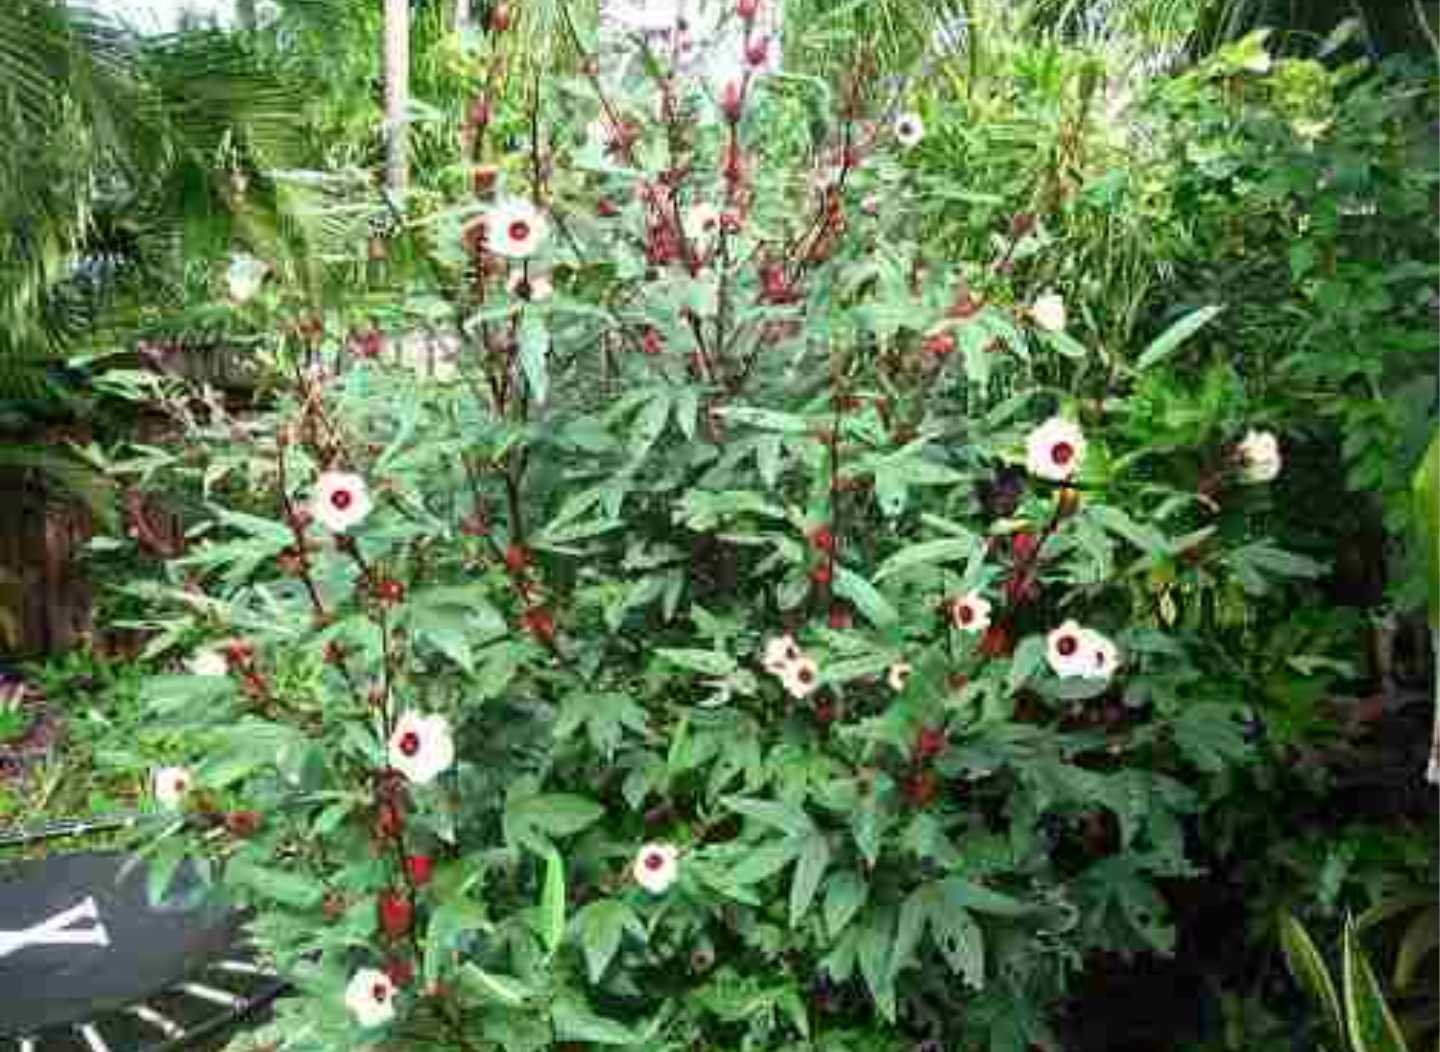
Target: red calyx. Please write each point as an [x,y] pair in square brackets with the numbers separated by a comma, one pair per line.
[747,9]
[825,713]
[822,574]
[757,51]
[389,821]
[420,868]
[239,652]
[482,181]
[1023,546]
[996,642]
[500,18]
[481,112]
[244,823]
[540,623]
[840,617]
[400,971]
[823,539]
[516,559]
[301,519]
[389,590]
[940,345]
[652,343]
[921,789]
[395,913]
[930,743]
[607,208]
[732,102]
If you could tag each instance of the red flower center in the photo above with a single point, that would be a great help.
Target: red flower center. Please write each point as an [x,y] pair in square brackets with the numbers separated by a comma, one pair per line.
[180,785]
[380,992]
[1062,453]
[410,743]
[806,676]
[966,614]
[341,499]
[1067,645]
[654,861]
[519,230]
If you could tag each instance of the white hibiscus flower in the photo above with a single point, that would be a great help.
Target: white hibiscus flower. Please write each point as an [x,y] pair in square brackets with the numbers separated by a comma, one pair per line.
[898,675]
[1067,649]
[244,276]
[1104,655]
[780,653]
[1055,449]
[207,663]
[170,784]
[370,997]
[801,678]
[421,747]
[1259,456]
[1048,312]
[971,613]
[514,229]
[909,130]
[340,500]
[656,866]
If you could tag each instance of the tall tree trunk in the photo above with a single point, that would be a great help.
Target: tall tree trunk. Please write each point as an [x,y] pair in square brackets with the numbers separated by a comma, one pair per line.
[397,93]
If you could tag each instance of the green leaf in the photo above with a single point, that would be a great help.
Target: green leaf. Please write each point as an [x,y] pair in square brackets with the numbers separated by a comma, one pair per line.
[1425,488]
[554,814]
[285,886]
[850,585]
[1418,942]
[1369,1021]
[575,1022]
[451,919]
[534,349]
[764,862]
[914,914]
[788,817]
[708,662]
[602,926]
[960,941]
[946,549]
[1028,659]
[552,902]
[1169,341]
[1309,971]
[876,939]
[809,869]
[845,893]
[960,893]
[505,989]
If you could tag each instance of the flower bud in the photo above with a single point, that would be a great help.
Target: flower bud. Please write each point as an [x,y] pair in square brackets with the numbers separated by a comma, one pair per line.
[732,101]
[395,914]
[747,9]
[420,868]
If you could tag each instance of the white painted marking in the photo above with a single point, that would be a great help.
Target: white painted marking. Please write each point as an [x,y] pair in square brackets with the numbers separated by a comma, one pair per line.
[164,1024]
[57,931]
[214,996]
[93,1039]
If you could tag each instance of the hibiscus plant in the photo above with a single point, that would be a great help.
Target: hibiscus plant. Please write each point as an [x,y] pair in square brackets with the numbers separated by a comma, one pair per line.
[738,628]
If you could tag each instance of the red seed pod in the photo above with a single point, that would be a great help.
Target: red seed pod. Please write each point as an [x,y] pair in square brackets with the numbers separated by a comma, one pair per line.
[822,574]
[389,821]
[420,868]
[930,743]
[239,652]
[757,51]
[921,789]
[652,343]
[747,9]
[996,642]
[1023,546]
[516,559]
[941,344]
[244,823]
[840,617]
[481,112]
[395,913]
[540,623]
[400,971]
[823,539]
[732,101]
[389,590]
[501,18]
